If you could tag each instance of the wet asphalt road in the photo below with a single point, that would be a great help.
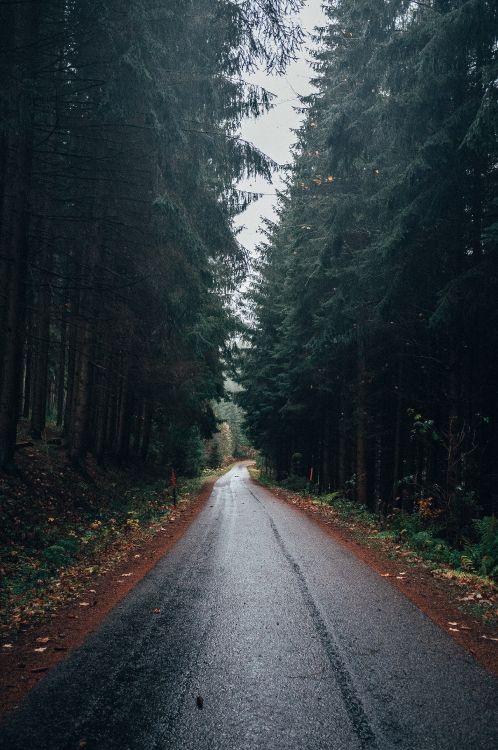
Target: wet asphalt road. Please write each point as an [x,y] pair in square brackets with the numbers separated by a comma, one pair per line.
[292,643]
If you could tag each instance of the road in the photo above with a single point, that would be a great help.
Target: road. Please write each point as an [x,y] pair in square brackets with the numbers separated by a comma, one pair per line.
[286,640]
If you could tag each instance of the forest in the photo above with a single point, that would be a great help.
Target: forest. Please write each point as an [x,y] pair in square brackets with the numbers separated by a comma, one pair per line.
[367,351]
[119,163]
[374,305]
[248,487]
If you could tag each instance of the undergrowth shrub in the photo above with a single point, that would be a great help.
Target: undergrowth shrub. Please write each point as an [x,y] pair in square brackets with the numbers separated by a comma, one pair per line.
[294,483]
[332,497]
[484,553]
[56,555]
[406,524]
[348,508]
[434,548]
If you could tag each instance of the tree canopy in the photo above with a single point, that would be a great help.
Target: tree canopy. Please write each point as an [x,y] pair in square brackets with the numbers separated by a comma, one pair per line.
[120,157]
[374,313]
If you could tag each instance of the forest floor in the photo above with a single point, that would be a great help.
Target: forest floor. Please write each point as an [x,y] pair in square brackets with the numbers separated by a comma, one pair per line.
[71,547]
[463,604]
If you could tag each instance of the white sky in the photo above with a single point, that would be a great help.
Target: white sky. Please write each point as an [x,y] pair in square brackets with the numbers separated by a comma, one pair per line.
[272,133]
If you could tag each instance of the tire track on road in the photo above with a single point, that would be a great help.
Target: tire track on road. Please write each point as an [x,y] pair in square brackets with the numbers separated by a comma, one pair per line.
[351,699]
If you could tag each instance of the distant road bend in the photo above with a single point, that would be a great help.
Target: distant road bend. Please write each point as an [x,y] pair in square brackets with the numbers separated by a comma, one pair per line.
[270,636]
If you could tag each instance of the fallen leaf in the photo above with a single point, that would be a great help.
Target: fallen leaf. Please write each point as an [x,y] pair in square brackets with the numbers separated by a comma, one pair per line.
[7,645]
[156,611]
[126,575]
[454,630]
[452,623]
[84,604]
[43,640]
[385,575]
[40,650]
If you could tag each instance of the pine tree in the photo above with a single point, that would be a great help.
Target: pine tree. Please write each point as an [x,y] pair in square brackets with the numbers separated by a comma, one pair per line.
[120,153]
[383,265]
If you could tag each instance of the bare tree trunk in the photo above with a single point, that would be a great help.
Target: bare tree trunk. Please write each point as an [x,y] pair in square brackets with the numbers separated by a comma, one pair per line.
[78,437]
[61,374]
[13,239]
[361,426]
[147,428]
[397,433]
[342,459]
[102,416]
[123,436]
[138,424]
[113,407]
[454,428]
[39,406]
[72,335]
[87,323]
[326,458]
[28,371]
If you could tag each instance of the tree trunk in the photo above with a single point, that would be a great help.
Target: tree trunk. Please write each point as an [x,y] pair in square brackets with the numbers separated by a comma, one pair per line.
[28,369]
[342,458]
[326,457]
[397,434]
[361,426]
[146,431]
[78,437]
[454,427]
[102,415]
[61,373]
[13,237]
[137,425]
[123,436]
[72,335]
[87,324]
[42,332]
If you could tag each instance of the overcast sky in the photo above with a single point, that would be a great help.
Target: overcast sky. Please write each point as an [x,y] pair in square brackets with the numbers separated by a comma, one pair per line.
[272,133]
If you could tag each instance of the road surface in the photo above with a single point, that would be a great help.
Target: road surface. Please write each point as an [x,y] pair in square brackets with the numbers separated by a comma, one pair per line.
[270,636]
